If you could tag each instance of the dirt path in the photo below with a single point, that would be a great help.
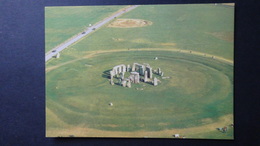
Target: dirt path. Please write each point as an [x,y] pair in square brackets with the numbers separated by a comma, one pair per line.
[95,53]
[65,63]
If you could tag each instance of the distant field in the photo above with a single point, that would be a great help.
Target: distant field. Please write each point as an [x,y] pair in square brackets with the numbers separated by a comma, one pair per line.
[194,101]
[61,23]
[204,28]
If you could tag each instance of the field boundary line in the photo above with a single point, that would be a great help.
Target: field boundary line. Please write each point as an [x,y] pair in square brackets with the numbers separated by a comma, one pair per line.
[94,53]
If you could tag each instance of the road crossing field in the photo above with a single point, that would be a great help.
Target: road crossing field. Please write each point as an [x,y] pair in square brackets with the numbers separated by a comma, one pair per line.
[194,46]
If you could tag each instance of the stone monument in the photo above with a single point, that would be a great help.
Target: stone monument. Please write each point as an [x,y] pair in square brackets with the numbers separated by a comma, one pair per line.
[111,82]
[135,77]
[128,84]
[155,81]
[159,71]
[145,76]
[124,83]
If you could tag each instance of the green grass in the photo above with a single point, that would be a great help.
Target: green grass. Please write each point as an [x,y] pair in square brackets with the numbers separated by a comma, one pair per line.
[199,88]
[61,23]
[215,134]
[83,93]
[190,27]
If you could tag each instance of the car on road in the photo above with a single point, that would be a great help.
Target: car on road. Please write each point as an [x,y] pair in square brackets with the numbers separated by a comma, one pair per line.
[93,28]
[83,32]
[53,51]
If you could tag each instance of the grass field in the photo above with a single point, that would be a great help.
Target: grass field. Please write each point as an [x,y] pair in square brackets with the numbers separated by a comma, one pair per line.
[180,26]
[196,99]
[65,22]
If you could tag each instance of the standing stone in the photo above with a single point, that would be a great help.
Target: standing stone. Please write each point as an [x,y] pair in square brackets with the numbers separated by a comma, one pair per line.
[145,76]
[155,81]
[143,70]
[128,68]
[135,77]
[119,70]
[124,83]
[111,75]
[131,78]
[159,71]
[124,68]
[133,68]
[111,82]
[162,74]
[150,73]
[122,75]
[128,84]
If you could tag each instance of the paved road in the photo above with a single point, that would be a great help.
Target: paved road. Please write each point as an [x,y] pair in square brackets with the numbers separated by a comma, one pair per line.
[64,45]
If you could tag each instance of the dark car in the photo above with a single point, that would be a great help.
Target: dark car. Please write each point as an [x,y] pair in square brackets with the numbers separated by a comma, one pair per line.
[93,28]
[53,51]
[83,32]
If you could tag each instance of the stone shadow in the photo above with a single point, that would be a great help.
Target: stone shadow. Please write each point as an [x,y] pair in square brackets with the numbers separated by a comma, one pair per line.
[149,83]
[106,74]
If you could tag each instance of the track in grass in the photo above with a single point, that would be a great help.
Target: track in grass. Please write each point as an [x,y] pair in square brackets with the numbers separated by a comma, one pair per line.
[194,101]
[198,93]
